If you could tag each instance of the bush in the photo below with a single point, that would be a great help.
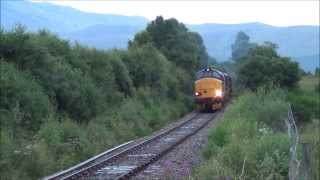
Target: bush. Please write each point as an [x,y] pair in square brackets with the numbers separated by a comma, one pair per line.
[305,107]
[305,101]
[65,142]
[22,101]
[219,136]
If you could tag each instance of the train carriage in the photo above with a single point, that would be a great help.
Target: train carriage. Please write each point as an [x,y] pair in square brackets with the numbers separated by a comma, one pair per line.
[212,89]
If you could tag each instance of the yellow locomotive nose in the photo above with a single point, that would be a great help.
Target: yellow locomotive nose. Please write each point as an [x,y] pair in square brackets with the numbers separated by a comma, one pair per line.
[208,88]
[211,89]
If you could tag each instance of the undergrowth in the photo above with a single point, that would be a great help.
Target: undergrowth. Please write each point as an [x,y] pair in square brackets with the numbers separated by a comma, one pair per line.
[248,142]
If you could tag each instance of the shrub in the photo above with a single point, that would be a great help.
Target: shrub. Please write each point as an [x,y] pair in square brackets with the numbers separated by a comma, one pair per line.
[64,141]
[100,135]
[305,101]
[22,101]
[305,107]
[275,148]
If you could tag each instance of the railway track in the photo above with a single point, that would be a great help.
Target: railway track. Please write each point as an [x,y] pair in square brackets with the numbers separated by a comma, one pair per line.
[130,158]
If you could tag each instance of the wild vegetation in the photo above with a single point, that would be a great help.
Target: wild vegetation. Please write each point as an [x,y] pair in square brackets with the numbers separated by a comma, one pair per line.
[244,144]
[62,103]
[251,141]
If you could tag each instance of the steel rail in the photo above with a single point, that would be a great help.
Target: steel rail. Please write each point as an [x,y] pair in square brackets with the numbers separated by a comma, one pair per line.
[139,168]
[62,173]
[98,165]
[82,168]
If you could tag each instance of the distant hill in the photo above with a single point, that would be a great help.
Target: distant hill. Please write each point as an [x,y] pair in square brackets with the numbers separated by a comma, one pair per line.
[105,36]
[308,63]
[109,31]
[58,19]
[293,41]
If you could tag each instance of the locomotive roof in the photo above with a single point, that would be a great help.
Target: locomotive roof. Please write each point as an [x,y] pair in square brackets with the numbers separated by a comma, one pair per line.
[213,69]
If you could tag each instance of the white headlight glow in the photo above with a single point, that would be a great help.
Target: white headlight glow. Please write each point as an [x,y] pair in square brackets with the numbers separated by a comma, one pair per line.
[218,93]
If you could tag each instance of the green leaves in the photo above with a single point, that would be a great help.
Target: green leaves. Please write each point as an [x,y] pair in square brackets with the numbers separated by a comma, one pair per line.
[66,102]
[264,67]
[22,100]
[241,46]
[180,46]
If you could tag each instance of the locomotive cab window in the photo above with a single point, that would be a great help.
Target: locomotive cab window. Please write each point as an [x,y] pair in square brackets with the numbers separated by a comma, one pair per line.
[208,74]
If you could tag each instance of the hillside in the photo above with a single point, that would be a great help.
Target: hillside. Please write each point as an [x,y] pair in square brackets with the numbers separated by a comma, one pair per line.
[109,31]
[59,19]
[105,36]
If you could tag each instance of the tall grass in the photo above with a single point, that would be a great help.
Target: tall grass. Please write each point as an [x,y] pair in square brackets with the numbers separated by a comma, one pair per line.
[248,142]
[306,106]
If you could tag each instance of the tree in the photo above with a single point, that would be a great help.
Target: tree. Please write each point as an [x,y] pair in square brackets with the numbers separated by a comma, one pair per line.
[263,66]
[184,48]
[241,46]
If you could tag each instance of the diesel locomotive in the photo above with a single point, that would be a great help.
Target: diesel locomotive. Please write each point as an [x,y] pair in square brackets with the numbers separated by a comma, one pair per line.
[212,89]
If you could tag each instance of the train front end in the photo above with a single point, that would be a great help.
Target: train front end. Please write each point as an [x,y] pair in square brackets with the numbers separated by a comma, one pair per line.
[209,90]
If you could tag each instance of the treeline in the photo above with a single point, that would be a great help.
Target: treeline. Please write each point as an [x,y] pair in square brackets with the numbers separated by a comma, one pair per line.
[61,103]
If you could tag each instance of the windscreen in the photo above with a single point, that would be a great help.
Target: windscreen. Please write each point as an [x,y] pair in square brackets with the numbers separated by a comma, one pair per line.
[208,74]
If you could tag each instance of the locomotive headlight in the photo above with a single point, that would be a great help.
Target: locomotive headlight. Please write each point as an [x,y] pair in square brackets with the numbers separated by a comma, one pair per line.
[218,93]
[197,94]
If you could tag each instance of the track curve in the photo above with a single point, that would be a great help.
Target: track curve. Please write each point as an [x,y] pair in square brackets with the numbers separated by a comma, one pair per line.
[128,159]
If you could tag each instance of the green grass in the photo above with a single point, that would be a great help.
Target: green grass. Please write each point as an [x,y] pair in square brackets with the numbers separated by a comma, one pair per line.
[309,83]
[305,100]
[310,111]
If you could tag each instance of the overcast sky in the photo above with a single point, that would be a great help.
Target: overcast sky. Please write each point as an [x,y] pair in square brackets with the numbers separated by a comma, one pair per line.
[277,13]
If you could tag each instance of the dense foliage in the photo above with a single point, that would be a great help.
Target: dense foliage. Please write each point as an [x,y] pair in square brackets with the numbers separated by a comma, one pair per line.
[305,100]
[260,65]
[241,46]
[184,48]
[62,103]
